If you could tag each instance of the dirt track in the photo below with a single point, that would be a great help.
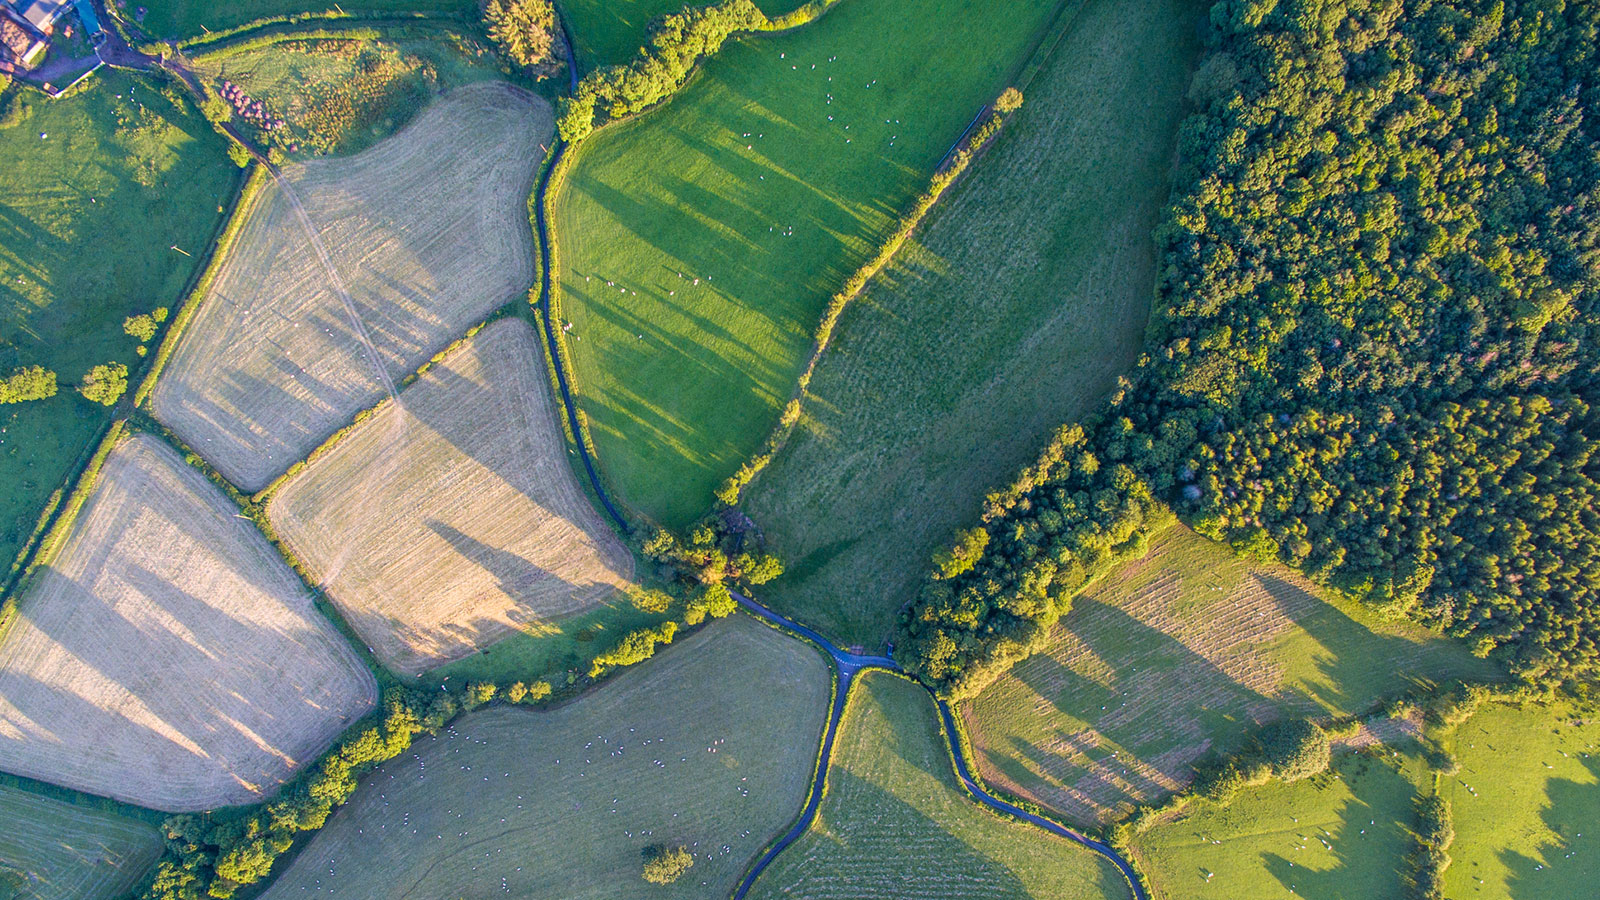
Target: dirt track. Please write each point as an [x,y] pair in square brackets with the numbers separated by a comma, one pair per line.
[428,230]
[168,657]
[453,518]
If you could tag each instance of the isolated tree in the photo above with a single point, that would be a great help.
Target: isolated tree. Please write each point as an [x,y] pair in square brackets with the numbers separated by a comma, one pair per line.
[523,30]
[1296,749]
[105,383]
[28,383]
[144,326]
[664,865]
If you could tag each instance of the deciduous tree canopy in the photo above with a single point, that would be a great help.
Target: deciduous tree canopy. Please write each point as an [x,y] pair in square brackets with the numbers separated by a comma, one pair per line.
[1374,354]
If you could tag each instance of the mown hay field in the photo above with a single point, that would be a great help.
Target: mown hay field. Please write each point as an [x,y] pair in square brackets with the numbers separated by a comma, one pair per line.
[609,32]
[96,190]
[1337,836]
[428,232]
[1023,297]
[1526,803]
[53,850]
[452,518]
[335,96]
[168,657]
[710,745]
[694,288]
[1188,648]
[896,824]
[166,19]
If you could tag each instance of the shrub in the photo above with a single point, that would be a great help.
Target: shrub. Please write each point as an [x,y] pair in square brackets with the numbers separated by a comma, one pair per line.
[105,383]
[28,383]
[1296,749]
[664,865]
[239,154]
[636,647]
[523,31]
[1010,100]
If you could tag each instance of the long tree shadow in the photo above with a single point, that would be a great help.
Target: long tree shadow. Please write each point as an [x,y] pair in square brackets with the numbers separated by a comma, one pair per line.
[1569,866]
[1162,706]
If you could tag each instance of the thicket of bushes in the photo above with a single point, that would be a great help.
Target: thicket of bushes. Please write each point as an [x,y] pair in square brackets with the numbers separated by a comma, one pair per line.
[1376,349]
[1434,834]
[27,383]
[676,45]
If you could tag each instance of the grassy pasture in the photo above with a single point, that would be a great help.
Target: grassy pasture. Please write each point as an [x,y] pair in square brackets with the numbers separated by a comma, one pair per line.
[608,32]
[167,656]
[88,216]
[50,850]
[770,205]
[1022,298]
[1187,648]
[338,96]
[1301,841]
[168,19]
[1526,804]
[452,518]
[428,231]
[710,745]
[896,824]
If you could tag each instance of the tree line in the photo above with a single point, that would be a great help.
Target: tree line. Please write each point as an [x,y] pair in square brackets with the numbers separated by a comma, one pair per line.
[1374,354]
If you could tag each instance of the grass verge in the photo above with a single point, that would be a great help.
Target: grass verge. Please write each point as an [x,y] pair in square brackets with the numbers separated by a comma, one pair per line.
[180,19]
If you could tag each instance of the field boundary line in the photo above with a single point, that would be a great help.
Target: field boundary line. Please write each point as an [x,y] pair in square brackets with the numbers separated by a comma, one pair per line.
[49,545]
[256,513]
[244,202]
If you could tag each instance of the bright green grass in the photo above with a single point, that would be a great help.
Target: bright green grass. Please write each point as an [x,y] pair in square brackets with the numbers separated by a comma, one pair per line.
[608,32]
[1023,298]
[896,823]
[50,850]
[1529,826]
[166,19]
[1187,648]
[88,219]
[339,96]
[710,745]
[681,382]
[1272,837]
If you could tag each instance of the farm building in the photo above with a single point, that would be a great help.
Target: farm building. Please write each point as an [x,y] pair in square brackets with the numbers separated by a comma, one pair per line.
[20,46]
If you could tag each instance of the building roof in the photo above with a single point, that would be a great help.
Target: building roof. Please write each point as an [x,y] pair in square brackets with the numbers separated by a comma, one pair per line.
[42,14]
[17,41]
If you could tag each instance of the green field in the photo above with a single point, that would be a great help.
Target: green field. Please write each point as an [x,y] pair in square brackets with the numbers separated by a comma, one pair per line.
[97,190]
[1013,312]
[1325,838]
[51,850]
[1526,804]
[710,745]
[897,824]
[1188,648]
[167,19]
[770,206]
[341,96]
[608,32]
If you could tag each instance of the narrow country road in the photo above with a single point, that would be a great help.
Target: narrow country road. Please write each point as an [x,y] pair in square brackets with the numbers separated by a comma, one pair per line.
[847,665]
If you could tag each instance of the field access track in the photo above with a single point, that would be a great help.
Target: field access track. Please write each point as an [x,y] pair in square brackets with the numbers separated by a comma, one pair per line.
[168,656]
[427,232]
[452,517]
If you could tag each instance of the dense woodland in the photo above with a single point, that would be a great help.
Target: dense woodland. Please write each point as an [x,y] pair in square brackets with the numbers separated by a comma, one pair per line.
[1374,354]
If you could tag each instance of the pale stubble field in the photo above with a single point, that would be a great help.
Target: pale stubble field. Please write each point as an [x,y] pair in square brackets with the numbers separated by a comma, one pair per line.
[452,517]
[428,232]
[168,656]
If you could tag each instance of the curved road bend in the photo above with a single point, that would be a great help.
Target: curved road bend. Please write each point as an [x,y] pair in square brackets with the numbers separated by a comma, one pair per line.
[848,665]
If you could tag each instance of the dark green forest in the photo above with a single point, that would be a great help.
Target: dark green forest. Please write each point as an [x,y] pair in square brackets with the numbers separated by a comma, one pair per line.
[1373,354]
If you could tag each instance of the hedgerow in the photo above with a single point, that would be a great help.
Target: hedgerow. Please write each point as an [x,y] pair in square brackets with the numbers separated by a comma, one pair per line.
[1374,355]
